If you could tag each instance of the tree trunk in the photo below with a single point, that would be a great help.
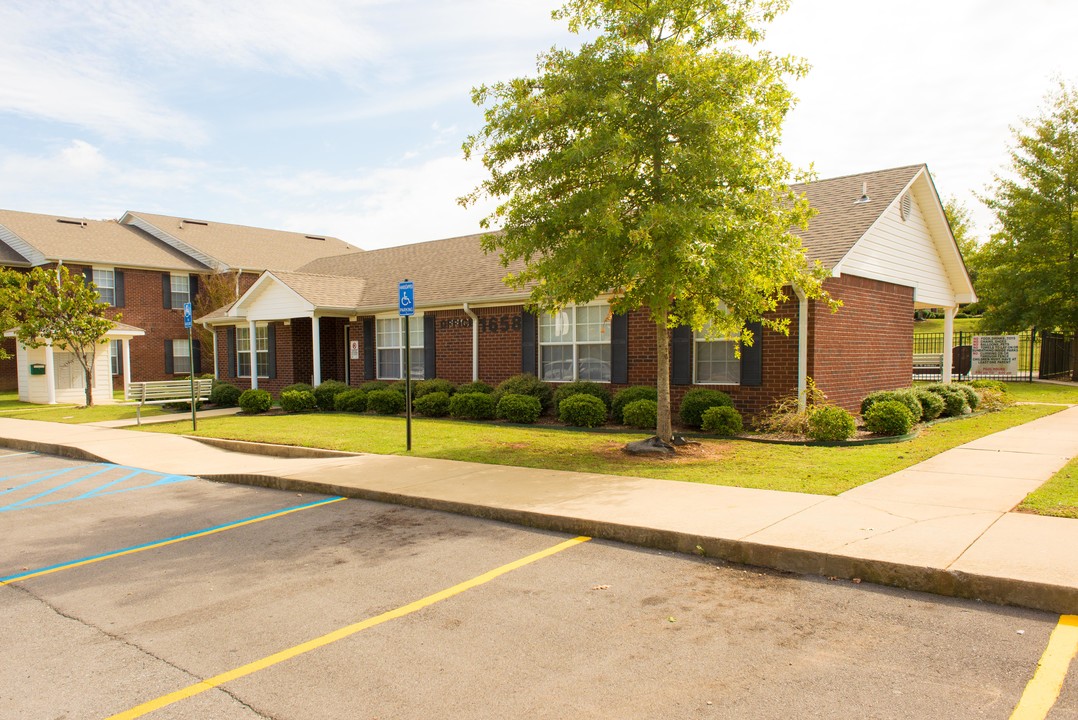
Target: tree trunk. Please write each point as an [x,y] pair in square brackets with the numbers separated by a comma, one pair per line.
[87,378]
[663,427]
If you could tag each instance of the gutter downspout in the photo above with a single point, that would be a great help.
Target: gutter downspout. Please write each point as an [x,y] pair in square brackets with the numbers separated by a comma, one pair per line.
[802,347]
[475,341]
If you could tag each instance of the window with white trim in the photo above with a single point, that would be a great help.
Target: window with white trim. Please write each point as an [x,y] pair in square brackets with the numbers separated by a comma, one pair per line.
[181,357]
[115,348]
[715,359]
[181,290]
[243,351]
[574,344]
[389,342]
[105,280]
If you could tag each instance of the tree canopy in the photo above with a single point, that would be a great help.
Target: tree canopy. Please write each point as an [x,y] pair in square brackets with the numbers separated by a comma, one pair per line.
[645,167]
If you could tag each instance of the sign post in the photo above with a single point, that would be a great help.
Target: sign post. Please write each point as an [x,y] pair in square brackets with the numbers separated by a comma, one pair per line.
[187,323]
[406,308]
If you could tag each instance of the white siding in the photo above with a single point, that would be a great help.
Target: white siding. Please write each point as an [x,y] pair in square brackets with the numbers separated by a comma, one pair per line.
[35,389]
[902,252]
[274,301]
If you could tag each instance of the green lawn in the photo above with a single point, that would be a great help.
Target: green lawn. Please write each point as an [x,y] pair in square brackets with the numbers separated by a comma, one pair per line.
[1043,392]
[1058,496]
[936,326]
[816,470]
[11,407]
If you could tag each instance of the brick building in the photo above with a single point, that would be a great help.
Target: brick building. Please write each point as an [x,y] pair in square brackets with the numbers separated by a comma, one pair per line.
[883,235]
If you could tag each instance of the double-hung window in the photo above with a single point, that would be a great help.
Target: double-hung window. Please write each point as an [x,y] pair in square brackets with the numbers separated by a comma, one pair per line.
[243,351]
[716,360]
[181,290]
[574,344]
[105,280]
[181,356]
[115,348]
[389,338]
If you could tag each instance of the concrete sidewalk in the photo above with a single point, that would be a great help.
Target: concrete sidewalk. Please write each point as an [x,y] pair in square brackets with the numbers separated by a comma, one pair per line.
[942,526]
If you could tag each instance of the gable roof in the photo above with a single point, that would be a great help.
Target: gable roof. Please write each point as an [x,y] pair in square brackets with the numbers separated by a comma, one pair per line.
[223,246]
[39,239]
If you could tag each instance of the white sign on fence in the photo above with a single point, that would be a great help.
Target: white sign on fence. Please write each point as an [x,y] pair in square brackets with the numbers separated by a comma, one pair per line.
[995,355]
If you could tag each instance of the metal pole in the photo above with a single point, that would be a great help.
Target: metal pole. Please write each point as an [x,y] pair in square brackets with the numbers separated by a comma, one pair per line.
[408,382]
[1032,343]
[191,369]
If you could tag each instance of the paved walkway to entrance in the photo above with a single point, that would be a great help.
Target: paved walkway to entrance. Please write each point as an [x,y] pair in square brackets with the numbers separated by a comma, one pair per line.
[942,526]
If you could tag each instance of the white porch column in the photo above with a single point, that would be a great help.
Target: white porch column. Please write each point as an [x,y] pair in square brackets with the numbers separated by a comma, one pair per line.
[802,347]
[948,342]
[316,342]
[50,375]
[126,344]
[254,354]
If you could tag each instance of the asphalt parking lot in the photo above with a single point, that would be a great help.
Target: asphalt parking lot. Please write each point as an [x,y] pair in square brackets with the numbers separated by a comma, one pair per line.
[134,594]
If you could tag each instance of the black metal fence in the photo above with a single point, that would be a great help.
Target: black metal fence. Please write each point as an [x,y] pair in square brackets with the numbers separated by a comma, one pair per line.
[1055,357]
[1030,357]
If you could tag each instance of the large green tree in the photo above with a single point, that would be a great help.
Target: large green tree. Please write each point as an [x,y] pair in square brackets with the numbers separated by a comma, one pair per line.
[645,166]
[1029,268]
[10,285]
[57,308]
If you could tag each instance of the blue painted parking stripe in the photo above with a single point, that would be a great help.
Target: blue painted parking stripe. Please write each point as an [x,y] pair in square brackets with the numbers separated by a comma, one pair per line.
[166,541]
[99,490]
[58,488]
[166,480]
[17,454]
[49,475]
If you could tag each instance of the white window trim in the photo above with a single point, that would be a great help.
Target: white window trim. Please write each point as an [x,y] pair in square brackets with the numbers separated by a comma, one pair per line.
[702,338]
[181,342]
[172,292]
[93,271]
[263,367]
[115,347]
[417,318]
[574,342]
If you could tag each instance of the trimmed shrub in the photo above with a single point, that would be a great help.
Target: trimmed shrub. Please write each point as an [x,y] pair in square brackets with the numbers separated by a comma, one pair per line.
[519,408]
[354,400]
[297,401]
[526,384]
[972,398]
[472,406]
[640,413]
[954,401]
[697,401]
[932,405]
[722,420]
[225,395]
[994,399]
[834,423]
[426,387]
[906,397]
[255,401]
[628,395]
[475,387]
[432,404]
[888,417]
[582,411]
[997,385]
[400,387]
[297,386]
[385,402]
[374,385]
[327,391]
[581,387]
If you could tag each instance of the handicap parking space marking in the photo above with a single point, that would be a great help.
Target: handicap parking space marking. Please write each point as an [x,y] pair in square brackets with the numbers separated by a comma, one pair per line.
[108,487]
[1043,689]
[153,544]
[5,455]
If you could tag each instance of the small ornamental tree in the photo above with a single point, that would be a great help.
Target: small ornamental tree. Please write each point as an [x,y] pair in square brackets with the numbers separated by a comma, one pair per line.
[58,308]
[645,166]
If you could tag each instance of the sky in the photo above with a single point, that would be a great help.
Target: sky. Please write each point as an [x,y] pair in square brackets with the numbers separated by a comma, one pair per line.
[346,117]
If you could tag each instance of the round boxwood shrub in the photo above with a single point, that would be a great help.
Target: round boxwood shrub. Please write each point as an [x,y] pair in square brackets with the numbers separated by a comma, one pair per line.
[888,417]
[354,400]
[697,401]
[425,387]
[526,384]
[722,420]
[519,408]
[225,395]
[327,391]
[374,385]
[255,401]
[954,401]
[972,398]
[932,405]
[297,401]
[628,395]
[997,385]
[475,387]
[906,397]
[385,402]
[472,406]
[640,413]
[432,404]
[297,386]
[582,411]
[834,423]
[581,387]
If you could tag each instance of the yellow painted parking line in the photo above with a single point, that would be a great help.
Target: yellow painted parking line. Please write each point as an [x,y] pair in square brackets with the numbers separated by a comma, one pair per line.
[1043,690]
[279,657]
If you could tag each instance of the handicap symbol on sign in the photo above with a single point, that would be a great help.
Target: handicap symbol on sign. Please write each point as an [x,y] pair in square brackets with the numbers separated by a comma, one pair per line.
[406,304]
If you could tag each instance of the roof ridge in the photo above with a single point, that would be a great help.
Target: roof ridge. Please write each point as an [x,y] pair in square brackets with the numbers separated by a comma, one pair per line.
[192,219]
[851,175]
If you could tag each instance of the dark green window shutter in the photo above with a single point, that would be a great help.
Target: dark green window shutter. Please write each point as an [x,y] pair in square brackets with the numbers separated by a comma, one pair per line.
[88,275]
[166,291]
[230,348]
[619,349]
[681,356]
[196,357]
[193,287]
[368,348]
[169,368]
[752,358]
[528,352]
[119,275]
[271,342]
[430,348]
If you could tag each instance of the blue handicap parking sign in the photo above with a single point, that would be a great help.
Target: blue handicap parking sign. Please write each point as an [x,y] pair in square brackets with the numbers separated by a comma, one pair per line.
[406,298]
[187,314]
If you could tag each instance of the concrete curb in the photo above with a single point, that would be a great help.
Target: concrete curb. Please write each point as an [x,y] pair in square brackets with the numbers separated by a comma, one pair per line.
[999,590]
[73,453]
[270,449]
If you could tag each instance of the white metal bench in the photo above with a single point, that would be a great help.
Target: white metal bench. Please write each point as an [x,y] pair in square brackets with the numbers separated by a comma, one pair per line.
[924,363]
[163,392]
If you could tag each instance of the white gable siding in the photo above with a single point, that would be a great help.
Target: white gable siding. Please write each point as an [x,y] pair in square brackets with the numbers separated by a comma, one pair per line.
[902,252]
[274,301]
